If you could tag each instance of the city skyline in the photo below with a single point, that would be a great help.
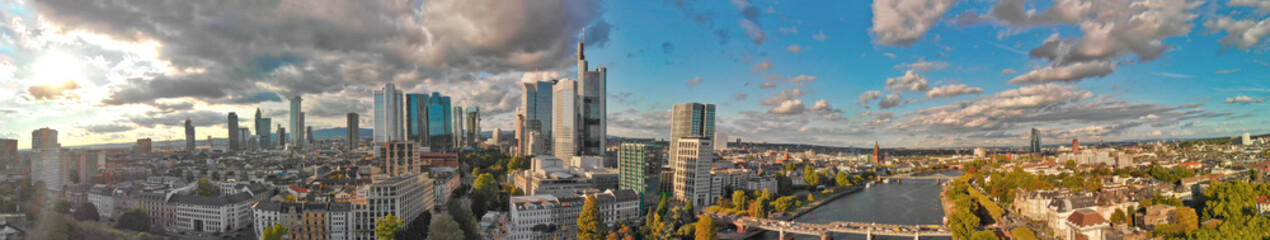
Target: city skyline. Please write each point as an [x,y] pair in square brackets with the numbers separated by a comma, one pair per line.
[844,74]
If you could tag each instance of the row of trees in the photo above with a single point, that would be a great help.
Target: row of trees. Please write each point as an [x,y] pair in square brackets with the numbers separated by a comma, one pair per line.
[965,217]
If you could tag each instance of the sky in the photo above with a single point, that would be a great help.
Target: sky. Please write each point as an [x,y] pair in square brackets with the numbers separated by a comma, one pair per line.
[904,73]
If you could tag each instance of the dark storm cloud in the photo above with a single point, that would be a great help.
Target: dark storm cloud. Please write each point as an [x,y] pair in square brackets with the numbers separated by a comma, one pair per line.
[243,48]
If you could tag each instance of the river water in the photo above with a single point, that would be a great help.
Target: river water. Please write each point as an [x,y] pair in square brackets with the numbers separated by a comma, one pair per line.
[912,202]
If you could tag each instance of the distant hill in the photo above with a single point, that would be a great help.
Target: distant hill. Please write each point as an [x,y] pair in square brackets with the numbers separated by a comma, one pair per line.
[340,133]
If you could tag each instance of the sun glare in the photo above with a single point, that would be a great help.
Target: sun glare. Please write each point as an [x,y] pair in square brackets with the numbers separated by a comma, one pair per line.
[56,68]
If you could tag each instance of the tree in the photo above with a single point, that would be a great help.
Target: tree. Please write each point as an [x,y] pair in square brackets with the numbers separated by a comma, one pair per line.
[1229,200]
[1023,233]
[136,220]
[445,228]
[275,232]
[705,228]
[984,235]
[517,163]
[789,167]
[739,199]
[590,226]
[205,188]
[463,216]
[962,223]
[783,204]
[87,212]
[290,199]
[62,207]
[843,179]
[386,227]
[758,208]
[810,175]
[661,206]
[418,228]
[1118,217]
[1186,219]
[1070,164]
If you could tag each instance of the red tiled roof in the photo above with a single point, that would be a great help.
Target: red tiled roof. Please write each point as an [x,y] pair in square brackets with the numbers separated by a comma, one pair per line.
[1086,218]
[298,189]
[1263,199]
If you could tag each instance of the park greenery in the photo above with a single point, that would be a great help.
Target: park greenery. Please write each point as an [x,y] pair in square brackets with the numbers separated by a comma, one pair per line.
[386,227]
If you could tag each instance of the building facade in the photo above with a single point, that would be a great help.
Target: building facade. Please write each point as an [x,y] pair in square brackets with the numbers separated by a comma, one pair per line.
[297,123]
[354,132]
[388,115]
[640,167]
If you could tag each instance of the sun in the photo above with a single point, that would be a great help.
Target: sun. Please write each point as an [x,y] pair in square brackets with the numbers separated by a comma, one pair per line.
[55,68]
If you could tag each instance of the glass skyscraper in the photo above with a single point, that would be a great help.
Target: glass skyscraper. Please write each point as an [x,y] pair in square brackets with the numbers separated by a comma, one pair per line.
[388,115]
[417,118]
[440,126]
[536,104]
[639,166]
[297,123]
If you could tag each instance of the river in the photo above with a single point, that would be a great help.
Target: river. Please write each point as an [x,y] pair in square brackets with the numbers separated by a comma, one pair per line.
[913,202]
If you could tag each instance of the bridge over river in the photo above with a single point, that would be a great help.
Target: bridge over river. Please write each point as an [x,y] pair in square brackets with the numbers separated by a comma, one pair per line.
[936,176]
[825,231]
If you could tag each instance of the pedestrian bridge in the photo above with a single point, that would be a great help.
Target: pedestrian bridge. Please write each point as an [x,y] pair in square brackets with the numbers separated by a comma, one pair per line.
[825,231]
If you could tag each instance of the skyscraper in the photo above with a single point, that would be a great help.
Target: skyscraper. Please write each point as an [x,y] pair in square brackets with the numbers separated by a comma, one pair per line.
[9,154]
[473,123]
[308,134]
[144,145]
[591,107]
[282,137]
[639,166]
[692,128]
[297,123]
[1247,139]
[1036,141]
[47,164]
[353,131]
[388,116]
[417,118]
[233,132]
[457,126]
[1075,146]
[244,138]
[440,123]
[536,106]
[263,131]
[564,120]
[189,136]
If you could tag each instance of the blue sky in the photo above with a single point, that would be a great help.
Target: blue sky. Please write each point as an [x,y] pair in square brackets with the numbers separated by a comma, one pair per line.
[962,73]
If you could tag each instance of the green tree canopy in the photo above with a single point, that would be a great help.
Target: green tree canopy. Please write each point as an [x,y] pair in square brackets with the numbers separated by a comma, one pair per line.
[205,188]
[445,228]
[590,226]
[87,212]
[136,220]
[705,228]
[739,199]
[275,232]
[386,227]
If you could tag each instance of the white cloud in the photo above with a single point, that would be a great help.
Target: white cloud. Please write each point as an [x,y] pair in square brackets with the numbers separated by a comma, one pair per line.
[788,30]
[819,36]
[895,99]
[1068,73]
[752,30]
[903,22]
[1262,6]
[767,85]
[952,90]
[1242,34]
[1008,71]
[911,81]
[1228,71]
[923,65]
[1244,100]
[694,81]
[801,80]
[795,49]
[1172,75]
[869,96]
[761,67]
[789,106]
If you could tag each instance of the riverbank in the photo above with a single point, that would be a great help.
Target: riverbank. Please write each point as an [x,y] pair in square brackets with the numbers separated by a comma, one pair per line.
[820,201]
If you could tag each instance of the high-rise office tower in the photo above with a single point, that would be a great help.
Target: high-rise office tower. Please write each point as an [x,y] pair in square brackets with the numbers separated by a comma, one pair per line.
[440,123]
[1036,141]
[1075,146]
[263,131]
[233,132]
[416,118]
[536,106]
[691,129]
[244,138]
[639,166]
[144,145]
[519,134]
[297,123]
[388,116]
[282,137]
[189,136]
[1247,139]
[564,120]
[308,134]
[457,125]
[47,164]
[473,123]
[592,108]
[9,154]
[353,132]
